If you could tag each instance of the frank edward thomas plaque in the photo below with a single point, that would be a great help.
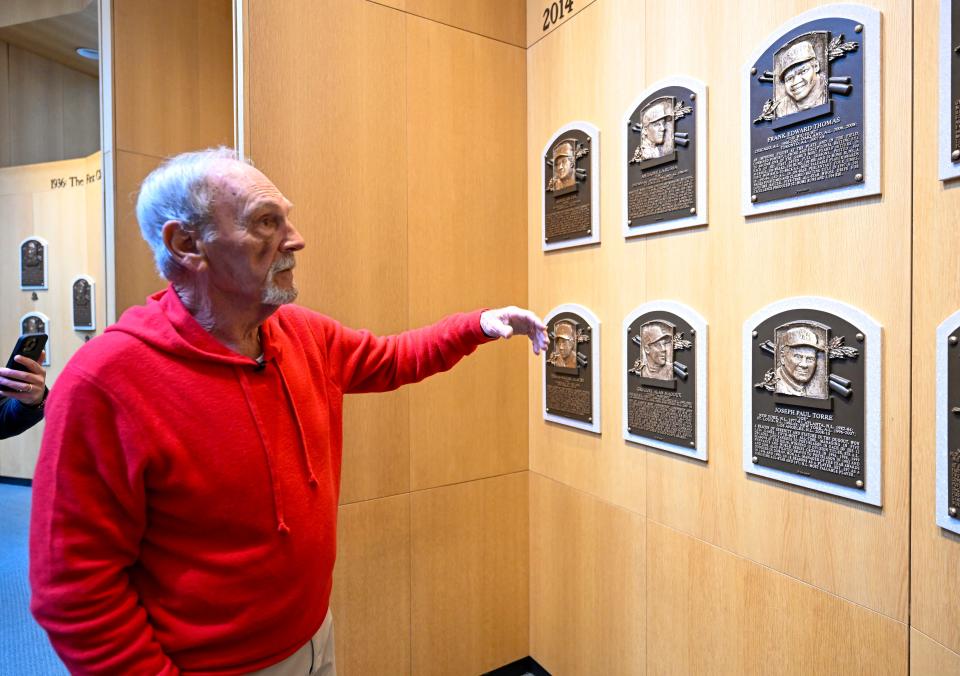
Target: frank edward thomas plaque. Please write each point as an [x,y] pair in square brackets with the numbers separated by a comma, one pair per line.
[949,85]
[570,188]
[811,115]
[665,169]
[810,399]
[571,368]
[665,378]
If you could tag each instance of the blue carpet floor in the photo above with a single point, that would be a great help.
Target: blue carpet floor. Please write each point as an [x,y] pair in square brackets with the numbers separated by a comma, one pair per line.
[24,648]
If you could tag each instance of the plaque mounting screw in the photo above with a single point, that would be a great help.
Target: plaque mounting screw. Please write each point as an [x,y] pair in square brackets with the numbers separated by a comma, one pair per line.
[629,221]
[858,28]
[859,483]
[953,511]
[693,210]
[755,334]
[753,198]
[589,419]
[693,444]
[953,340]
[955,155]
[693,97]
[860,337]
[858,178]
[753,71]
[756,459]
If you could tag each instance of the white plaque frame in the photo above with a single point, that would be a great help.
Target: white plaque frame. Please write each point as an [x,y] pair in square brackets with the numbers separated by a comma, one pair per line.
[46,263]
[594,323]
[700,218]
[699,325]
[46,324]
[944,520]
[93,304]
[948,168]
[872,405]
[870,18]
[594,157]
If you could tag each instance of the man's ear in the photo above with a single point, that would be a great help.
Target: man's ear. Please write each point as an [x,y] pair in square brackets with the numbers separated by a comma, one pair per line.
[184,246]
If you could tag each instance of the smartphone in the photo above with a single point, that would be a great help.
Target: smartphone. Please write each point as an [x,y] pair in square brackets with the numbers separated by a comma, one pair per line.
[29,345]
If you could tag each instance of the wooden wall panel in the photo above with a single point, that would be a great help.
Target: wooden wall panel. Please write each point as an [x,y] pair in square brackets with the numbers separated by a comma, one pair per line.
[502,20]
[466,244]
[371,588]
[50,112]
[170,67]
[5,140]
[587,583]
[929,658]
[341,158]
[591,68]
[136,273]
[709,611]
[935,560]
[470,567]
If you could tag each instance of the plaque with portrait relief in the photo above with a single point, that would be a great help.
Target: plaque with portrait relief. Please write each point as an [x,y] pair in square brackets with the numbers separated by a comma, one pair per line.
[37,322]
[665,154]
[665,378]
[84,303]
[811,402]
[571,368]
[811,122]
[948,424]
[571,187]
[949,85]
[33,264]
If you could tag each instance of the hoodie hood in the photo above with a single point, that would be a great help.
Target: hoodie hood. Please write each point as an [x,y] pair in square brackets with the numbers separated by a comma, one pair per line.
[166,325]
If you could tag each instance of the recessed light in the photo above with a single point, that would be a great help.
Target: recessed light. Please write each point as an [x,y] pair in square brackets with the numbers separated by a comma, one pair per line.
[87,53]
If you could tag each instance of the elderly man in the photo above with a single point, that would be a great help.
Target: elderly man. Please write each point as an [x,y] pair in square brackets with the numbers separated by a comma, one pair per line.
[564,166]
[657,124]
[657,340]
[797,364]
[185,503]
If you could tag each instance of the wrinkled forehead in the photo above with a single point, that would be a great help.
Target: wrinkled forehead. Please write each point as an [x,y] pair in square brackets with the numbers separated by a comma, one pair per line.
[241,188]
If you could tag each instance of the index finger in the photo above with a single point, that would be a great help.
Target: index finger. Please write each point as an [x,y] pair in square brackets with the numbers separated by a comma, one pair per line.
[31,365]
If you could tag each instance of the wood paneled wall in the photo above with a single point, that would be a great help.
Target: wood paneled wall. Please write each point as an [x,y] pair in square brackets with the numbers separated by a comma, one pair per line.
[728,574]
[935,555]
[398,130]
[70,218]
[172,71]
[48,112]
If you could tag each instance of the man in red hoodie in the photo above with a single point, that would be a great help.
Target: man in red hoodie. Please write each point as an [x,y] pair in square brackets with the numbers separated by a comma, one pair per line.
[185,501]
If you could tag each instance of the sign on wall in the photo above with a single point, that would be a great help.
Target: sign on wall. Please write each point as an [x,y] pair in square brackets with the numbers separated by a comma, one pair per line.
[665,156]
[811,397]
[811,111]
[571,369]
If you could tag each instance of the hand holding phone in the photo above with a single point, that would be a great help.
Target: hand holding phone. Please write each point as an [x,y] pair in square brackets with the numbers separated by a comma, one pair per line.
[23,378]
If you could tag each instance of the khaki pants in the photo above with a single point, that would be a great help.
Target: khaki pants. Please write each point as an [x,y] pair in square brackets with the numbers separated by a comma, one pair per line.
[314,657]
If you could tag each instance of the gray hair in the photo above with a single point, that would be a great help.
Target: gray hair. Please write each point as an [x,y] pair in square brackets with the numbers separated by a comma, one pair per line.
[178,190]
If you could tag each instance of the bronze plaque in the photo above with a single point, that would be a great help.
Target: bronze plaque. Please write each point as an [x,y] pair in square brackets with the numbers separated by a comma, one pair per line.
[809,389]
[568,189]
[662,378]
[34,322]
[661,157]
[955,81]
[83,309]
[807,109]
[569,371]
[33,264]
[953,424]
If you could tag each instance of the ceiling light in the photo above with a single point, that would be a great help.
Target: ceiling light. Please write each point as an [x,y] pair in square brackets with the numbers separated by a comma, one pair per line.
[87,53]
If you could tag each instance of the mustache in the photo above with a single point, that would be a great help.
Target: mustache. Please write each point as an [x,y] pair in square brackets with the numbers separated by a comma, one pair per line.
[285,262]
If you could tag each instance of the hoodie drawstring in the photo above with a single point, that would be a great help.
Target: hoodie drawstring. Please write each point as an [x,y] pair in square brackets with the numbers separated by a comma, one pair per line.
[282,527]
[312,480]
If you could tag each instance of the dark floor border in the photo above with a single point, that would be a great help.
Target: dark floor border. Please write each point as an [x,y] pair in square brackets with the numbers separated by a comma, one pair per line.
[522,667]
[16,481]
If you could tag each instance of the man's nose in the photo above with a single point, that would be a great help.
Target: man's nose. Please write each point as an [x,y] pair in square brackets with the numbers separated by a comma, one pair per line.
[293,241]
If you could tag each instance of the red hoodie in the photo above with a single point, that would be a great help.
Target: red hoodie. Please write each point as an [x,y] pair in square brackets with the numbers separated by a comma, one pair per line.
[185,500]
